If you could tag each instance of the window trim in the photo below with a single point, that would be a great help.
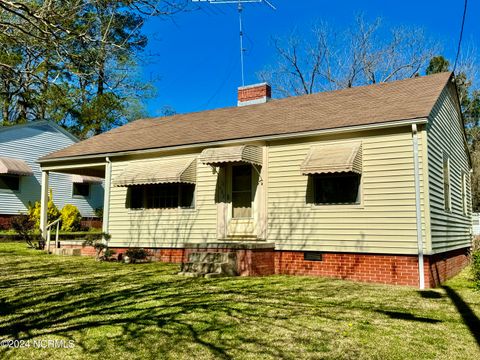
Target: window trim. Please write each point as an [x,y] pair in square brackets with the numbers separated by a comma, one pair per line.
[447,207]
[341,206]
[464,184]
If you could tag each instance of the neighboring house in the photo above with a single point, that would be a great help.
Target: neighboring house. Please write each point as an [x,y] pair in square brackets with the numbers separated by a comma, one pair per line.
[20,174]
[370,183]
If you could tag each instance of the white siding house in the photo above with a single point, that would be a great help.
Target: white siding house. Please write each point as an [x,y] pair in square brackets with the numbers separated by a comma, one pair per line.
[25,144]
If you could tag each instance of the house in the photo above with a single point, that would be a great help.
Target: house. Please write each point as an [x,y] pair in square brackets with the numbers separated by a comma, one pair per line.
[20,174]
[369,183]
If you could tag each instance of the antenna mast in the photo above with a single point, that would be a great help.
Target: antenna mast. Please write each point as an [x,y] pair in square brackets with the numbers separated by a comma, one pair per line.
[240,10]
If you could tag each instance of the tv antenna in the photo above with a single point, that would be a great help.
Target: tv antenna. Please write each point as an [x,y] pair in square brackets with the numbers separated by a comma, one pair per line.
[240,4]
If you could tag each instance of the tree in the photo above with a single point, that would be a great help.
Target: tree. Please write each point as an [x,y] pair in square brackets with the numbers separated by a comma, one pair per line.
[75,61]
[332,60]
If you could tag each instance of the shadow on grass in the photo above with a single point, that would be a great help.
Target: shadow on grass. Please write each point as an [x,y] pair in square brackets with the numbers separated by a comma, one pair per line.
[430,294]
[407,316]
[468,316]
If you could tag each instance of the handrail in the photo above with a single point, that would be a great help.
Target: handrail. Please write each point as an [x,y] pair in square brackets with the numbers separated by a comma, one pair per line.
[57,230]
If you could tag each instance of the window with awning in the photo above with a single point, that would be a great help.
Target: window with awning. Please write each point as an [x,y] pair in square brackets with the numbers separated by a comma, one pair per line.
[159,184]
[11,166]
[335,171]
[10,172]
[83,179]
[333,158]
[158,172]
[233,154]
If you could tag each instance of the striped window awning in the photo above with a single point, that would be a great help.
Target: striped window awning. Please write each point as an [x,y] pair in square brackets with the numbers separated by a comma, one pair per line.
[244,153]
[10,166]
[83,179]
[158,172]
[333,158]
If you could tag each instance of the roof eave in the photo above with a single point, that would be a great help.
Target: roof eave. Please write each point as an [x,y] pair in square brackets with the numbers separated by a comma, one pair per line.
[382,125]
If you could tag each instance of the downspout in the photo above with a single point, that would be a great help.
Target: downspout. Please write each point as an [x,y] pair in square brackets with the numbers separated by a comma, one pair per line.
[418,208]
[106,197]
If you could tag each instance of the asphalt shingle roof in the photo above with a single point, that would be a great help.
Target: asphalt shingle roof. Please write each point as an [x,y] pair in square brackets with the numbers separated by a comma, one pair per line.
[372,104]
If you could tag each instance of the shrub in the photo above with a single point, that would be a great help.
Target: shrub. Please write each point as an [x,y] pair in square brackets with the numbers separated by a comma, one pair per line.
[136,254]
[25,228]
[476,267]
[71,218]
[34,211]
[99,212]
[102,252]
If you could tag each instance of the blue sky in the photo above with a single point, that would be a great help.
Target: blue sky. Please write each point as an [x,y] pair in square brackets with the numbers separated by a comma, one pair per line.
[197,63]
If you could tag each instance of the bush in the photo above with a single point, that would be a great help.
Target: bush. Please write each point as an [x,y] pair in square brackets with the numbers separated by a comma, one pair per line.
[136,254]
[71,218]
[99,212]
[476,267]
[34,211]
[102,252]
[25,228]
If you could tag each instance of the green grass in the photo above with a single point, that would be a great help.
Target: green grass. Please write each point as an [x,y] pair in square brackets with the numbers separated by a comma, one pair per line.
[117,311]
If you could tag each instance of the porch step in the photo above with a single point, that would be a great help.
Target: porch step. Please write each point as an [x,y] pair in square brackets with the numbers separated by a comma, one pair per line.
[212,257]
[209,264]
[67,252]
[245,238]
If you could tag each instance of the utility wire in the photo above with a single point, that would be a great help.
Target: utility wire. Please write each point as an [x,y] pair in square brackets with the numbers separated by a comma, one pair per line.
[461,35]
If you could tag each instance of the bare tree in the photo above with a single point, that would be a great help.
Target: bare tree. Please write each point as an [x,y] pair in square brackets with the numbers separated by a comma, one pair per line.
[333,59]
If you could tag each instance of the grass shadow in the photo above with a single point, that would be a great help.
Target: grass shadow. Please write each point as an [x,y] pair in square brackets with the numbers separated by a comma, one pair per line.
[407,316]
[468,316]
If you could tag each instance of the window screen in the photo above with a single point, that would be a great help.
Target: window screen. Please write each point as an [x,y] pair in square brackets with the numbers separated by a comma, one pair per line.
[10,182]
[341,188]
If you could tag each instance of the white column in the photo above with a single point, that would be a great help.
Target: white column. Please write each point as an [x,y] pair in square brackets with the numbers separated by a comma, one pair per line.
[44,205]
[106,196]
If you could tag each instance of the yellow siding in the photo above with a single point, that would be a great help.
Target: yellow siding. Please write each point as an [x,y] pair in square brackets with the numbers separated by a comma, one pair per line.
[450,230]
[164,228]
[384,222]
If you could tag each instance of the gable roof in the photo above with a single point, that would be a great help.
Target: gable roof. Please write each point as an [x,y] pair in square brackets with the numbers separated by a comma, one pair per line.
[364,105]
[38,123]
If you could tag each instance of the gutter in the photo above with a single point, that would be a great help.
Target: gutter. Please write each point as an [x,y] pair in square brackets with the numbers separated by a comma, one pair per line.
[386,125]
[106,197]
[418,208]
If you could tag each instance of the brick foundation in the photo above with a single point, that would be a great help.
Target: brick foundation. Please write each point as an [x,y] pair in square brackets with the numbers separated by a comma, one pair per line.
[6,222]
[376,268]
[94,223]
[441,267]
[385,269]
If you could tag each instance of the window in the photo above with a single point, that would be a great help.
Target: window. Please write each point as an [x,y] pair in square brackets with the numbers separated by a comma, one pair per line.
[446,183]
[340,188]
[81,189]
[10,182]
[161,196]
[464,194]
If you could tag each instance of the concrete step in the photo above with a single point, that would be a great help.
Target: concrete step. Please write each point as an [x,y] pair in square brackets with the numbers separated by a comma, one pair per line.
[201,267]
[67,252]
[211,257]
[204,268]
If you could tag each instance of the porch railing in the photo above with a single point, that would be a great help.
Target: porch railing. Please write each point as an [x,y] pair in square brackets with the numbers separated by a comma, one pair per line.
[57,231]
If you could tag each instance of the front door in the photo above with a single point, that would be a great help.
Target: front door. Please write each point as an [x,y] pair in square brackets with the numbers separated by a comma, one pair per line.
[242,193]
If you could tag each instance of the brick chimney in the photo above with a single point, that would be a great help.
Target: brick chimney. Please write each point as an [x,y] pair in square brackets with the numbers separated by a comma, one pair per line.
[254,94]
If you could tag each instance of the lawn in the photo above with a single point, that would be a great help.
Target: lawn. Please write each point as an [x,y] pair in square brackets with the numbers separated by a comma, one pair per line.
[144,311]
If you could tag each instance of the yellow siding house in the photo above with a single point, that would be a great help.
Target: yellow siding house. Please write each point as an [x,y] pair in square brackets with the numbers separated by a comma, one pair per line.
[369,183]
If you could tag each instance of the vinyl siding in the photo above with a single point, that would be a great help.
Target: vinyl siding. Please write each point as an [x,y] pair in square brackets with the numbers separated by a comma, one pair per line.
[450,230]
[30,143]
[384,221]
[167,227]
